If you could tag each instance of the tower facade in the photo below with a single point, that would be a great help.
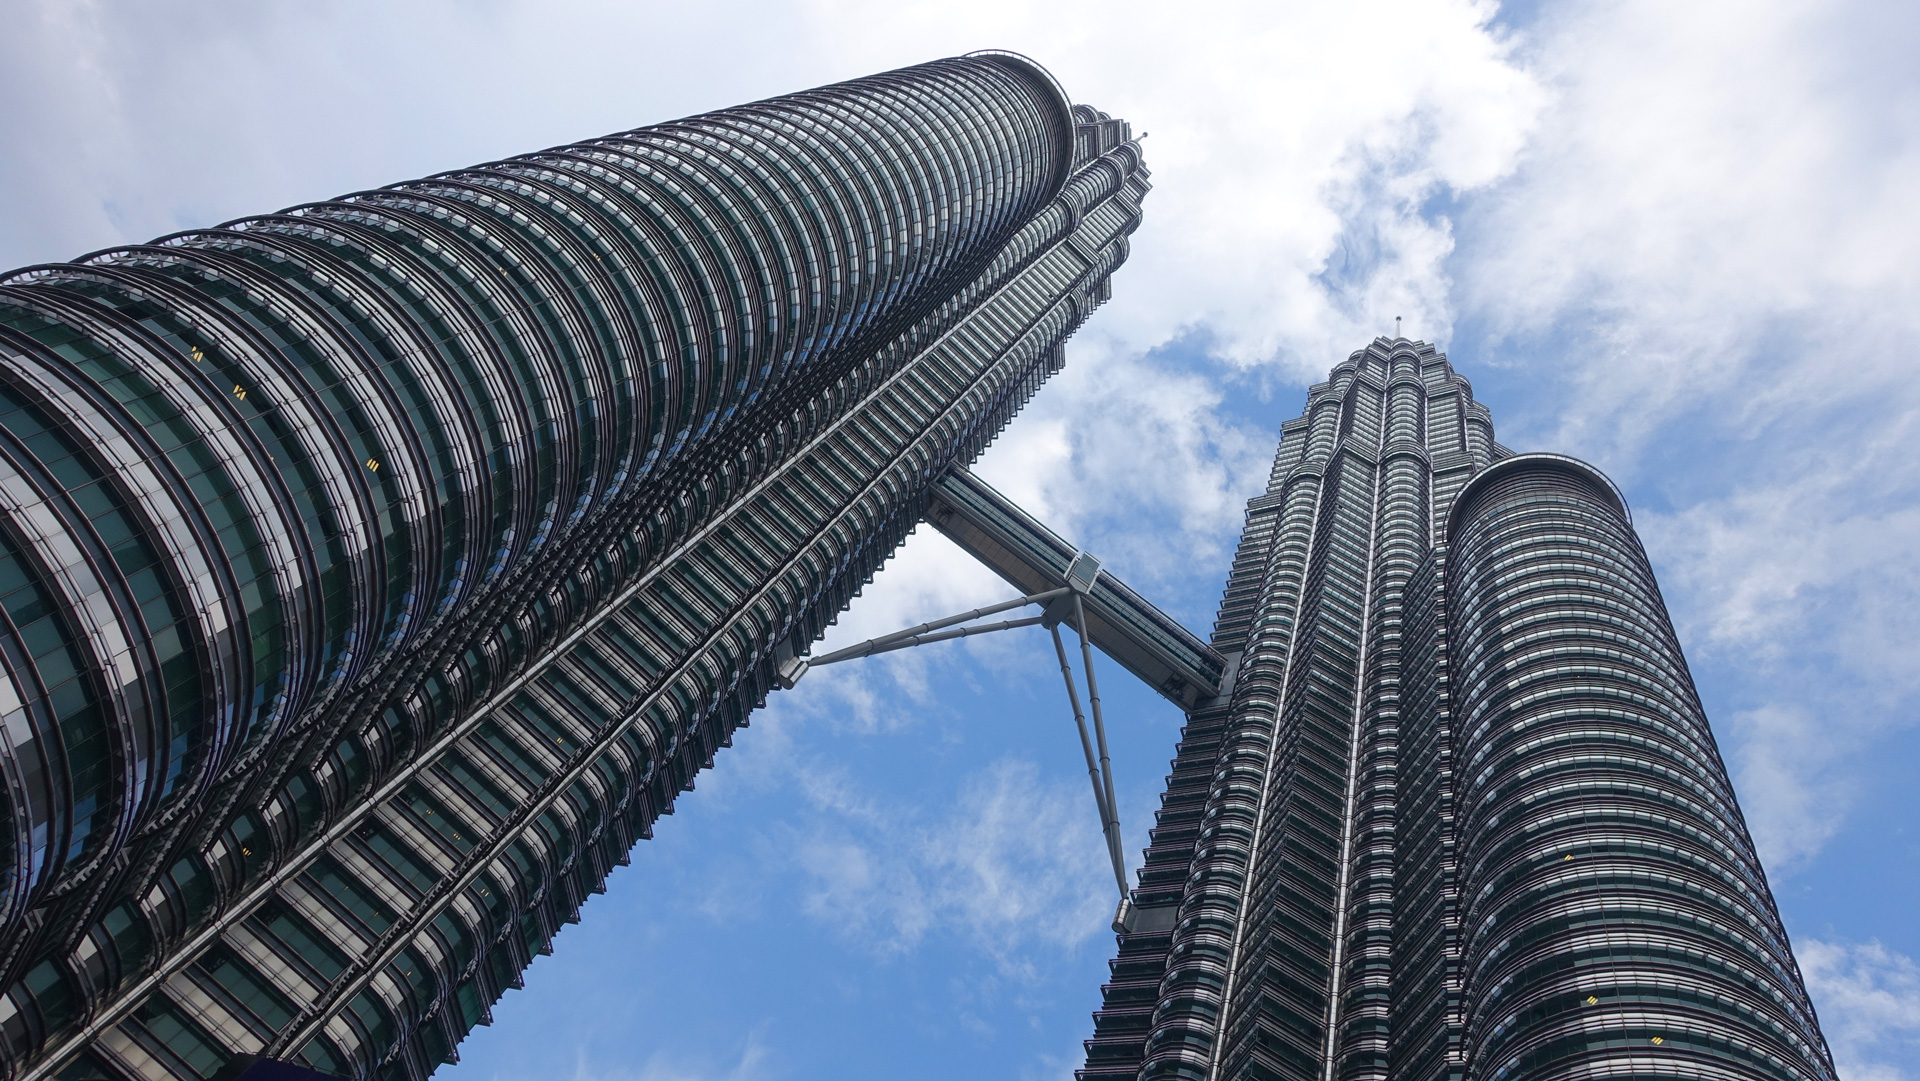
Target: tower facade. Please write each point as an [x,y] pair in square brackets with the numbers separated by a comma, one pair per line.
[375,573]
[1457,813]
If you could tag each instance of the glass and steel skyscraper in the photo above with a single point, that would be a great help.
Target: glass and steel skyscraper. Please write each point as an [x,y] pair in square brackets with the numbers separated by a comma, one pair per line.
[375,573]
[1456,813]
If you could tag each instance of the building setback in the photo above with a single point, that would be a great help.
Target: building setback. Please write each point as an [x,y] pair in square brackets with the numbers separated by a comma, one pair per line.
[376,572]
[1458,813]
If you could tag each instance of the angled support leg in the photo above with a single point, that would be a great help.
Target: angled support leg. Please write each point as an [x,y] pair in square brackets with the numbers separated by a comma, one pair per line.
[1108,827]
[1123,916]
[793,668]
[1080,576]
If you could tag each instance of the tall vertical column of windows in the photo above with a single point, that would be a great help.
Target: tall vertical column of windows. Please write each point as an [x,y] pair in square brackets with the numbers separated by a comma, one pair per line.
[395,886]
[1614,914]
[1424,1037]
[1207,938]
[356,422]
[1401,542]
[1191,817]
[1287,987]
[1280,956]
[294,505]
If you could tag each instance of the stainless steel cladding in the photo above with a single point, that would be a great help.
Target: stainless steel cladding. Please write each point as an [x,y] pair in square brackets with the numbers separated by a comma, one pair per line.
[375,572]
[1612,910]
[1461,815]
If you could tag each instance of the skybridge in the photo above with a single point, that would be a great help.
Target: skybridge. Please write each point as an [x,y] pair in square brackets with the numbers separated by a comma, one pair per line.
[1071,588]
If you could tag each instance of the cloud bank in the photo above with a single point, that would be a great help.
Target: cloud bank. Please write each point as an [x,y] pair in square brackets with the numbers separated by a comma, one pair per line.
[1678,241]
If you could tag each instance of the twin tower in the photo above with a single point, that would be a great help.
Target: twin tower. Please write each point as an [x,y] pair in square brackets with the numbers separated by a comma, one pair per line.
[374,574]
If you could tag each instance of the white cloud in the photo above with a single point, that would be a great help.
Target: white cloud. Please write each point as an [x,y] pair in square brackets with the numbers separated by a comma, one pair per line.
[1131,457]
[1013,865]
[1869,1002]
[1279,134]
[1019,856]
[756,1062]
[1692,224]
[1705,262]
[1710,187]
[1003,858]
[1794,787]
[1803,584]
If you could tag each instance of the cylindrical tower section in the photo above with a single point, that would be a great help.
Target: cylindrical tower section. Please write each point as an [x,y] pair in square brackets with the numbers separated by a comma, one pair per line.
[243,468]
[1479,431]
[1615,918]
[1185,1042]
[1400,542]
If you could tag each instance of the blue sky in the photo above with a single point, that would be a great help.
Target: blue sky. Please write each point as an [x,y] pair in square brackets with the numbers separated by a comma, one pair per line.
[1681,241]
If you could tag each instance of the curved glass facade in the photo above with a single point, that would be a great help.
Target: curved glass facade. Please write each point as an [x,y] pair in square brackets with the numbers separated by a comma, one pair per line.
[308,441]
[1459,813]
[1615,917]
[376,572]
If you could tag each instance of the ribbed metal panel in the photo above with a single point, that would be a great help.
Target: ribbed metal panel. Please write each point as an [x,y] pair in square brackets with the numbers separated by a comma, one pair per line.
[1461,816]
[336,428]
[1614,919]
[383,568]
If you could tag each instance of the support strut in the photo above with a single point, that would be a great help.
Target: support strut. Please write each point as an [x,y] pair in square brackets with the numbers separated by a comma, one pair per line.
[1080,575]
[1109,828]
[1122,916]
[792,670]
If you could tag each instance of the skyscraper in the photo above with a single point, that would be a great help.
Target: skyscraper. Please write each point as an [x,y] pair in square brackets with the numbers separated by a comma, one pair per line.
[375,573]
[1457,812]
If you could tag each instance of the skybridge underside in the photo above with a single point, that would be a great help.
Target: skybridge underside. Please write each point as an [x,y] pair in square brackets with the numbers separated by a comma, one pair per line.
[1034,559]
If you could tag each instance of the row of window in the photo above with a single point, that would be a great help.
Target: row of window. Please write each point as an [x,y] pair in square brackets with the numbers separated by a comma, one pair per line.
[399,318]
[1600,838]
[1577,662]
[692,597]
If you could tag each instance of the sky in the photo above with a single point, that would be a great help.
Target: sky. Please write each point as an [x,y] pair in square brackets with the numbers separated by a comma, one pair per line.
[1680,241]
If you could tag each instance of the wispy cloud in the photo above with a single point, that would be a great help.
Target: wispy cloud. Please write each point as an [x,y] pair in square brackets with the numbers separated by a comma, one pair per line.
[1003,858]
[1014,864]
[1703,266]
[755,1062]
[1683,233]
[1869,999]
